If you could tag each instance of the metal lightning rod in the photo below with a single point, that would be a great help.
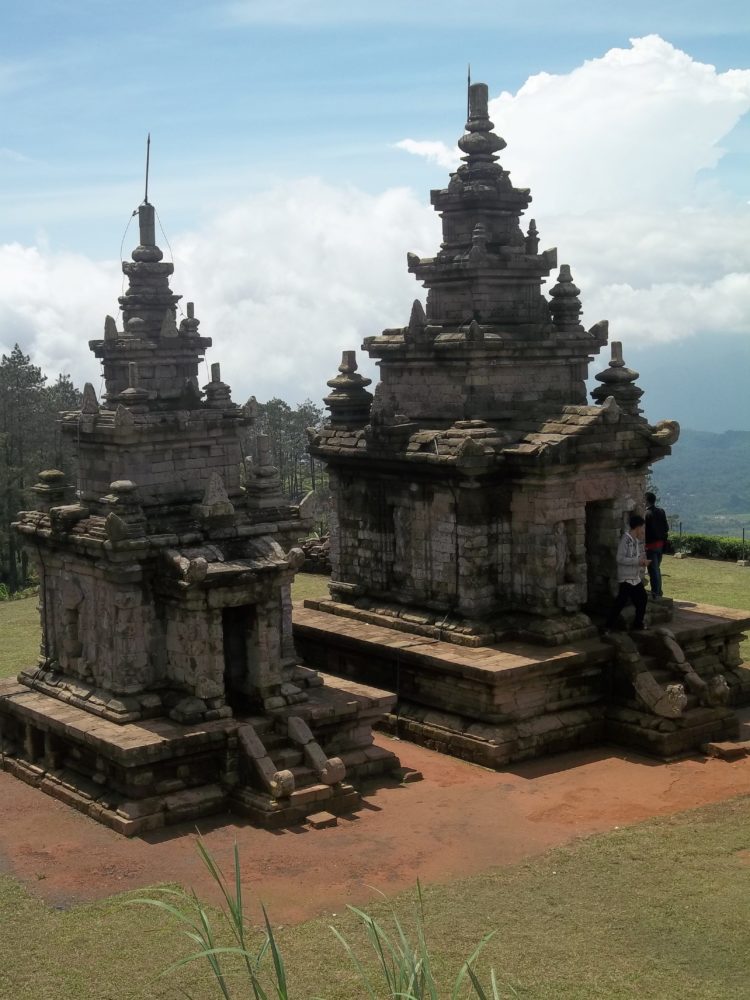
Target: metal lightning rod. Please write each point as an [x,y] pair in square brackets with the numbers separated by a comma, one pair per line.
[148,158]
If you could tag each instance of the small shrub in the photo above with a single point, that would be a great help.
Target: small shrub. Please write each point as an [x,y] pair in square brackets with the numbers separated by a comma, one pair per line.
[711,546]
[16,595]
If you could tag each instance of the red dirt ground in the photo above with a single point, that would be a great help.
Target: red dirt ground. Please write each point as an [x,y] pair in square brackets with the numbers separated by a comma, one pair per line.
[460,820]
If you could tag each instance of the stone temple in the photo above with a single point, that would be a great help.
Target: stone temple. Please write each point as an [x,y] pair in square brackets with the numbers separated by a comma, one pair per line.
[477,501]
[167,685]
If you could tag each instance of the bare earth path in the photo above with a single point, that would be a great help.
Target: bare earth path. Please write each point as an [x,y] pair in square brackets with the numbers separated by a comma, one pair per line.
[459,821]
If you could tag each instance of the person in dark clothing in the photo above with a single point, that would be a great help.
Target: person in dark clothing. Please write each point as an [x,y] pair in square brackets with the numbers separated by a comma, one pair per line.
[631,561]
[657,532]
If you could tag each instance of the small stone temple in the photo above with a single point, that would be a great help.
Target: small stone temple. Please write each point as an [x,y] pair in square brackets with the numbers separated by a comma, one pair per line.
[477,501]
[167,685]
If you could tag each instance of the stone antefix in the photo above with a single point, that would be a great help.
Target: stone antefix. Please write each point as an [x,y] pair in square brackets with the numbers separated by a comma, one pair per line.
[477,502]
[168,685]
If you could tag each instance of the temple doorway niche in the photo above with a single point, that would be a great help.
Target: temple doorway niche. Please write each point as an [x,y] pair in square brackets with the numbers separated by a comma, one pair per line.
[601,550]
[239,629]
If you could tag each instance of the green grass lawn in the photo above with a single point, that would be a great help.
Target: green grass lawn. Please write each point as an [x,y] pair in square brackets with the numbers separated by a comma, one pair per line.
[654,911]
[19,635]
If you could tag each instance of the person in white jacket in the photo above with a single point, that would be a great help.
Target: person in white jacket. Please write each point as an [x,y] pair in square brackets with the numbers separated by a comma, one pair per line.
[631,565]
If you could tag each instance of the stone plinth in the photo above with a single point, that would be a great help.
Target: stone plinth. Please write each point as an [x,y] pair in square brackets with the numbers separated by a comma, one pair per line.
[502,703]
[141,776]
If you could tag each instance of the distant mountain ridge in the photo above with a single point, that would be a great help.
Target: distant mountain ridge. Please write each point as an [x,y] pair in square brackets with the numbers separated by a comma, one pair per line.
[705,482]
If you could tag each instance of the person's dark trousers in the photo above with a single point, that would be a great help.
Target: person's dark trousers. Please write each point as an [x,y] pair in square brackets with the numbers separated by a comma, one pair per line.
[654,571]
[629,593]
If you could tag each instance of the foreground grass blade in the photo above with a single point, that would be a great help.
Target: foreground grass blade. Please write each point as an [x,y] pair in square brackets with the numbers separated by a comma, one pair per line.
[405,967]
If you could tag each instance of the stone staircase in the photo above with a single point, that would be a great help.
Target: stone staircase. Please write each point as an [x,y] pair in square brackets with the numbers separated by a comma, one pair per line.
[284,774]
[659,702]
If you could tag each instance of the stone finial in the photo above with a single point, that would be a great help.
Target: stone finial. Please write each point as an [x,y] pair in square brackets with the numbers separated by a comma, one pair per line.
[189,325]
[566,304]
[126,520]
[417,323]
[475,333]
[263,488]
[124,420]
[147,251]
[350,401]
[51,489]
[532,238]
[251,409]
[133,396]
[218,393]
[89,402]
[216,491]
[618,381]
[89,410]
[264,456]
[215,502]
[479,141]
[110,328]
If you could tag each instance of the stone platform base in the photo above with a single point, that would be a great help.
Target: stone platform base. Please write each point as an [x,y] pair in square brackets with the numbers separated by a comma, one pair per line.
[507,702]
[276,769]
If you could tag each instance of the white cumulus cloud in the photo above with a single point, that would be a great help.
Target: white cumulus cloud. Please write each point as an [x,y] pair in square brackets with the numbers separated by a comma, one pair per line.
[621,155]
[282,281]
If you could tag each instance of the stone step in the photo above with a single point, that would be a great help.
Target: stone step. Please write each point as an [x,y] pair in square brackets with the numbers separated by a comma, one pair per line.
[321,820]
[727,749]
[285,756]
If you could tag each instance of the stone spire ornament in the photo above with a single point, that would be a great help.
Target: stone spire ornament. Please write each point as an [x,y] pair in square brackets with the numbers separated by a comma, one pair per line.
[133,396]
[479,141]
[263,487]
[618,381]
[350,402]
[532,238]
[218,393]
[189,325]
[565,306]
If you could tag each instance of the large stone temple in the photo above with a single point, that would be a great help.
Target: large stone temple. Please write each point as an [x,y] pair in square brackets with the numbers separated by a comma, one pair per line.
[477,502]
[167,685]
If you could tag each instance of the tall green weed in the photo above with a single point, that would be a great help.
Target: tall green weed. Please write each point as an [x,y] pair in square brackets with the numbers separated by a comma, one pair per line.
[403,966]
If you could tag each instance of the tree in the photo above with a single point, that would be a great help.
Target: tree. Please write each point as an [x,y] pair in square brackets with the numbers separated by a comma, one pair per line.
[286,428]
[30,440]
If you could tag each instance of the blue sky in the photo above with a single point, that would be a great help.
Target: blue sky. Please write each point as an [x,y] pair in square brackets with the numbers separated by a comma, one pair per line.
[278,123]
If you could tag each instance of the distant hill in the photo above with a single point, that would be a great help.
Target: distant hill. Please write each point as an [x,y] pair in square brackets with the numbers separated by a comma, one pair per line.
[706,482]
